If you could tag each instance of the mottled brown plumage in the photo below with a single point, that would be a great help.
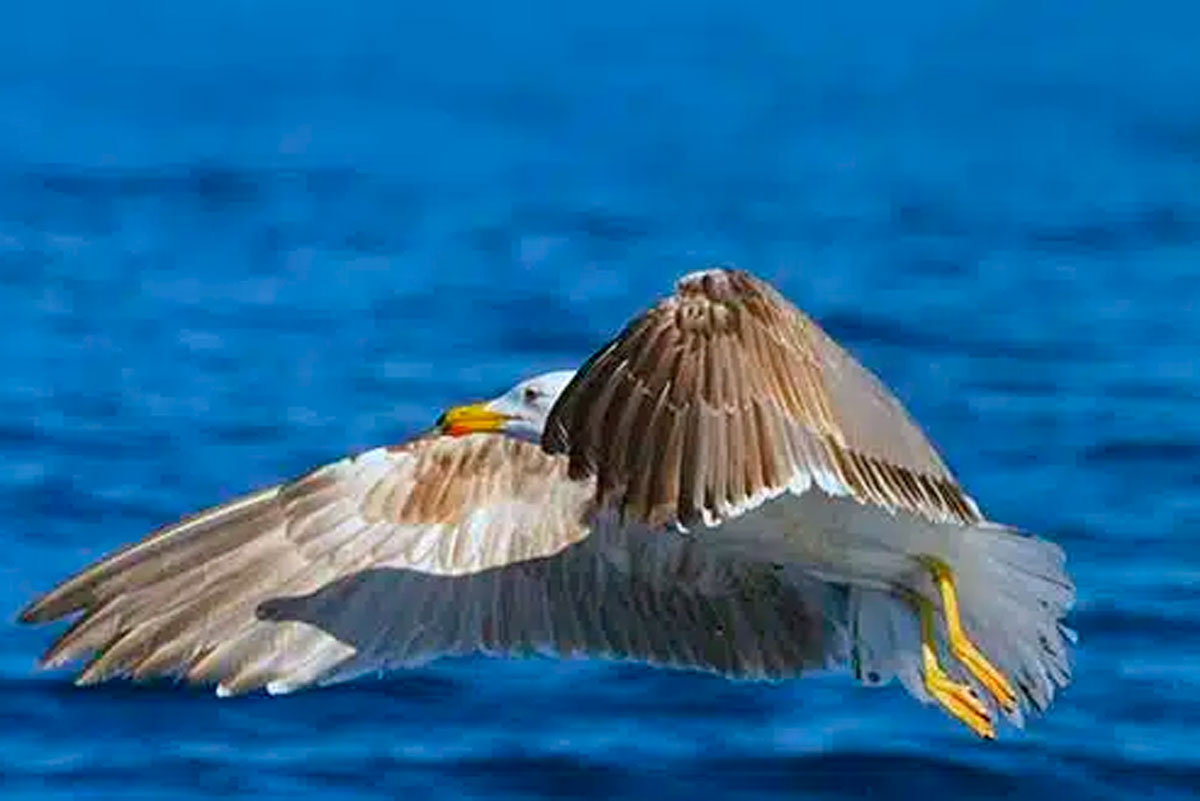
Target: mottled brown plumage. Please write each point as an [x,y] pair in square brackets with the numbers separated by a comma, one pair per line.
[183,600]
[724,395]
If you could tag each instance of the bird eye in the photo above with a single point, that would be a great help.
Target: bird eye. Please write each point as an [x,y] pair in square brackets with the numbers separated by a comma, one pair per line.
[531,394]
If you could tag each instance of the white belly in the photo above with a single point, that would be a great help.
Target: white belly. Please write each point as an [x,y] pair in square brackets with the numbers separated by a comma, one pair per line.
[837,539]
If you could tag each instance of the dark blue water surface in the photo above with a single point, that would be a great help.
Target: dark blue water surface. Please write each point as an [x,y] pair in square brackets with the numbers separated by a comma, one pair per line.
[240,239]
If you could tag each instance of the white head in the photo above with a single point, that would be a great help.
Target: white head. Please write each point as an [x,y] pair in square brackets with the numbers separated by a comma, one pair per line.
[520,412]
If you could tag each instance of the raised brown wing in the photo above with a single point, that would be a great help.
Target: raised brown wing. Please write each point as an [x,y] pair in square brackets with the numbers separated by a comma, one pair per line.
[185,601]
[724,395]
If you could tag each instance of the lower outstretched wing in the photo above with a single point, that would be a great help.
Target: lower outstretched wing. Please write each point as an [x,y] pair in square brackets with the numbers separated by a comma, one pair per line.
[184,600]
[447,546]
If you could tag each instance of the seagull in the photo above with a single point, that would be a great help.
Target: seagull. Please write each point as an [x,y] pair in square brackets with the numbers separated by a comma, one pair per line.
[720,487]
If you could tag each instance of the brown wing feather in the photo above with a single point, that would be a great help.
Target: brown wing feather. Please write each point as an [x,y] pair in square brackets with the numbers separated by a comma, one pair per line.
[728,394]
[185,600]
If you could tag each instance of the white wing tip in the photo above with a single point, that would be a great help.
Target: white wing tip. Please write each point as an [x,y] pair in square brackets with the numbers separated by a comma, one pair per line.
[276,687]
[696,275]
[719,272]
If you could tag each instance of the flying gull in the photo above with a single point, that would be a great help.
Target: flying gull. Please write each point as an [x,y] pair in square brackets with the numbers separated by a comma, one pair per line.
[721,487]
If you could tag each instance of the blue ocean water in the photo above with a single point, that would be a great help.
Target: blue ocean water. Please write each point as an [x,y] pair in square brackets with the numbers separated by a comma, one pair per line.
[240,239]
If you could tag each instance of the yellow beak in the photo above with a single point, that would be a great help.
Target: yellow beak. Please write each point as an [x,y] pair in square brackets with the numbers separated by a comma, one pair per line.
[469,419]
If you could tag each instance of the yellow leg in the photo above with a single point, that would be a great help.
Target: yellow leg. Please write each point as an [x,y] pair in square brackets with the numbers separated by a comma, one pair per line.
[961,646]
[958,699]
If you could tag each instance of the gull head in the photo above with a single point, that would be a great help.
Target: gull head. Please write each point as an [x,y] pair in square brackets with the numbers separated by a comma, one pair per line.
[519,412]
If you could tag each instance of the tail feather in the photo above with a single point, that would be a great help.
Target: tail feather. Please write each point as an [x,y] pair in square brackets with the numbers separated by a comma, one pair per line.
[1014,592]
